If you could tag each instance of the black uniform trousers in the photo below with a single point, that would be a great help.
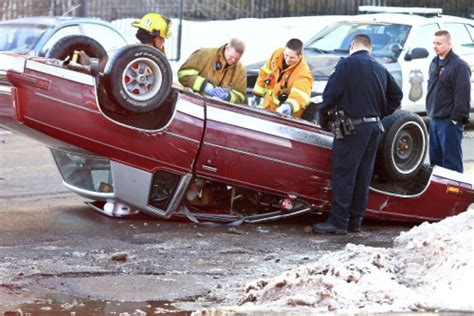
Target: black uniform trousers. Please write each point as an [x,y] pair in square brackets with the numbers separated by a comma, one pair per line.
[353,160]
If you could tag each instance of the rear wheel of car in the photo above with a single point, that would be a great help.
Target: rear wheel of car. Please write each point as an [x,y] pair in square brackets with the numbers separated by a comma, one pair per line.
[67,45]
[139,78]
[402,149]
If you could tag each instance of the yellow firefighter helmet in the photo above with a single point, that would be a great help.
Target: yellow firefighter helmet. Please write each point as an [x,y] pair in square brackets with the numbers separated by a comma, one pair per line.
[154,24]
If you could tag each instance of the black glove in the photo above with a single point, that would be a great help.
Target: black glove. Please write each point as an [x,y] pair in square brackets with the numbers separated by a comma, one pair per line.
[323,120]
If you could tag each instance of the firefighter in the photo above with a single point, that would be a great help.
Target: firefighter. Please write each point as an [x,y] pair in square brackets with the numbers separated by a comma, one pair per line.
[217,72]
[153,30]
[285,81]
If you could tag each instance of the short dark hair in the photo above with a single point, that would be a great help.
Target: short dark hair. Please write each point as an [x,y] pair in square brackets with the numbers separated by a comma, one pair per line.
[295,45]
[144,37]
[362,39]
[444,33]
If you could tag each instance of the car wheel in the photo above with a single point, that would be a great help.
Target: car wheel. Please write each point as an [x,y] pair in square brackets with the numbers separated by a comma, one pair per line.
[67,45]
[402,149]
[139,78]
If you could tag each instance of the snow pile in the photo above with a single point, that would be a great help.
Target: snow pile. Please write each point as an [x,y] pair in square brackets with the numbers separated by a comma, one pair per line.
[430,267]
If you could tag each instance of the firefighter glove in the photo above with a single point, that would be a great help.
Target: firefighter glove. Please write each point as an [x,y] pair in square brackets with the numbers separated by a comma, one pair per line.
[209,89]
[222,93]
[285,109]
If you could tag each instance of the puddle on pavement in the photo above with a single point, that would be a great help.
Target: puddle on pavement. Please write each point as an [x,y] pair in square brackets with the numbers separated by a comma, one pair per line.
[67,305]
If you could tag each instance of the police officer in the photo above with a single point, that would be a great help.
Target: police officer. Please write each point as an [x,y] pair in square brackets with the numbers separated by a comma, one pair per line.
[365,91]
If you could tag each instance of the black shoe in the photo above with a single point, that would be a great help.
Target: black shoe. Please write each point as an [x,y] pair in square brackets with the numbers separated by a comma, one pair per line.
[328,228]
[355,225]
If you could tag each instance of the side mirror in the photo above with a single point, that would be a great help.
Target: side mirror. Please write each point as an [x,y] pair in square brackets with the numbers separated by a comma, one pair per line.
[417,53]
[396,48]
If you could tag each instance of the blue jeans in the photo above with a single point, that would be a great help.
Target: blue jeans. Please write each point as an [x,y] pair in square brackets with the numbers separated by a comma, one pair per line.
[445,144]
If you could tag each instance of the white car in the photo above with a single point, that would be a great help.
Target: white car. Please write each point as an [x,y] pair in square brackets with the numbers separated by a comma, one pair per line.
[402,41]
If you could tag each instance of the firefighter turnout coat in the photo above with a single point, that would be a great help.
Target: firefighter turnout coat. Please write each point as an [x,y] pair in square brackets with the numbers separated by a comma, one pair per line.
[274,83]
[209,65]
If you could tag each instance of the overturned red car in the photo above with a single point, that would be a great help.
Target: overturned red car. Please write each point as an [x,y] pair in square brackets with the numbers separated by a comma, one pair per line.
[128,139]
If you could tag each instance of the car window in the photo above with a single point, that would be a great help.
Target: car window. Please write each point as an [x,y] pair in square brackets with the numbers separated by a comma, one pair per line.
[459,33]
[470,28]
[337,38]
[62,32]
[20,38]
[424,35]
[107,37]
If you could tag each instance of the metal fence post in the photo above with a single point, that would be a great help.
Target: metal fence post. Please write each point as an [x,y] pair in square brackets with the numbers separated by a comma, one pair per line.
[83,8]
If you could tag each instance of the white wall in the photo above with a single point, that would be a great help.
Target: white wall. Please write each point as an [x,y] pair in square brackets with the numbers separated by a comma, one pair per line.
[262,36]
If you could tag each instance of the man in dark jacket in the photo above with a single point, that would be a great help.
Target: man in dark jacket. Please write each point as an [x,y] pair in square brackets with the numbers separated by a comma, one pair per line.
[447,103]
[365,91]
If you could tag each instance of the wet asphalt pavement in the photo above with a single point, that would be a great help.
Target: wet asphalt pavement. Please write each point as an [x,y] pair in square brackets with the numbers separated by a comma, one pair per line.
[57,256]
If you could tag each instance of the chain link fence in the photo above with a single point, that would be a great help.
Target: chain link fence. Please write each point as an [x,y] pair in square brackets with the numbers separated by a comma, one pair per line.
[213,9]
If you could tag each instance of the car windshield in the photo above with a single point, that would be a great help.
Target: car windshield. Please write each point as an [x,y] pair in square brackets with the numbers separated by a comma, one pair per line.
[20,38]
[337,38]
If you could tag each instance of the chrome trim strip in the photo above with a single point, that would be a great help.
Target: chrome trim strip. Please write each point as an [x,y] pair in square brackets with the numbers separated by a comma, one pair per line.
[268,127]
[191,109]
[280,216]
[89,194]
[56,71]
[96,89]
[178,194]
[402,215]
[209,168]
[183,137]
[260,156]
[74,105]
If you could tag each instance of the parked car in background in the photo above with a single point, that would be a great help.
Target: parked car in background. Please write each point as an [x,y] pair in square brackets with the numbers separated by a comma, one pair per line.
[402,40]
[36,35]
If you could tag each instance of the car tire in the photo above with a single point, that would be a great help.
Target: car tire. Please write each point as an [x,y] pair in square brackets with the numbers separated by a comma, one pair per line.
[139,78]
[402,149]
[67,45]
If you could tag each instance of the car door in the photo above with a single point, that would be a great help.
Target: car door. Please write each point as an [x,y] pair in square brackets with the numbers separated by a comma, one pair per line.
[415,71]
[264,151]
[463,45]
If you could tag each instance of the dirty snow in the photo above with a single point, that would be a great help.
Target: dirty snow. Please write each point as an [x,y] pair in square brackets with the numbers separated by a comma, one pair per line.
[429,268]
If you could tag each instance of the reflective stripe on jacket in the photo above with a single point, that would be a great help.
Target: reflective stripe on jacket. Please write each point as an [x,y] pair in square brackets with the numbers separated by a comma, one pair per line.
[296,81]
[209,65]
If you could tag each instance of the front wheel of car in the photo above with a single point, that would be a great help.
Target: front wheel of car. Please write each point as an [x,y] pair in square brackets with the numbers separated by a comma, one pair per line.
[139,78]
[402,149]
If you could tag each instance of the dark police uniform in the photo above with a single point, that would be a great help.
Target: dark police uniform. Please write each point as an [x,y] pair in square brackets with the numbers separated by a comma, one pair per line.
[365,91]
[448,99]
